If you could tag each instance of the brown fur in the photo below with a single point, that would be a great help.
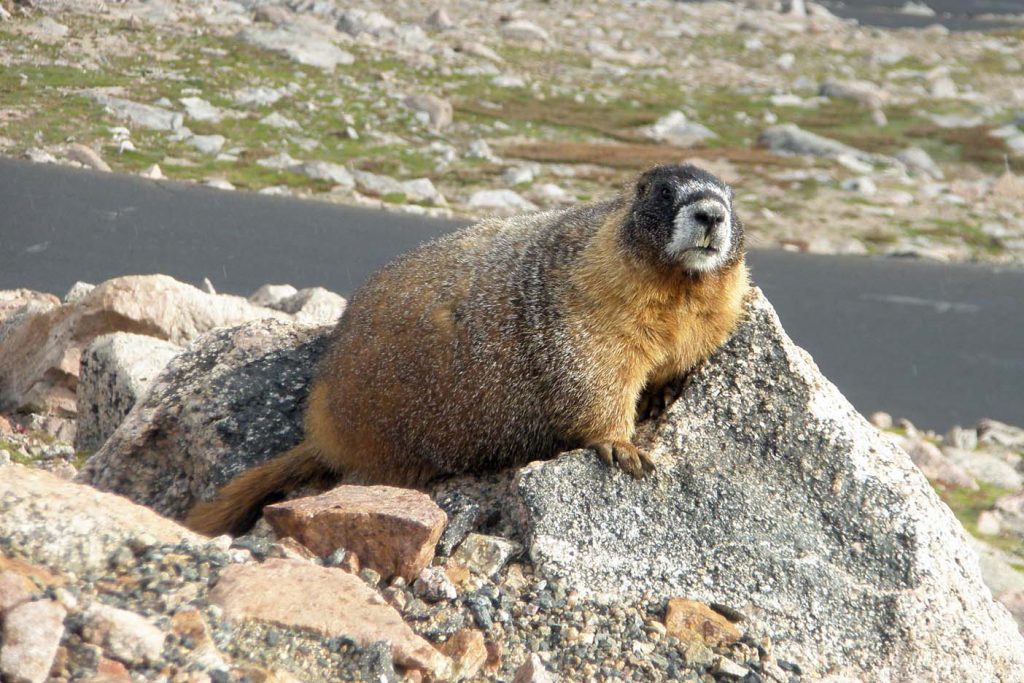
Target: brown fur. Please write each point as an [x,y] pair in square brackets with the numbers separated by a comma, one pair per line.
[509,341]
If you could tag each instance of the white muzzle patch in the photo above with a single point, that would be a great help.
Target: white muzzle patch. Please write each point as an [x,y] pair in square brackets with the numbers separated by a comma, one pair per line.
[702,235]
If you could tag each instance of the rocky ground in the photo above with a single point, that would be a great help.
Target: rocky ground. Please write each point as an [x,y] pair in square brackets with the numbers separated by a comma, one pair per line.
[840,138]
[767,548]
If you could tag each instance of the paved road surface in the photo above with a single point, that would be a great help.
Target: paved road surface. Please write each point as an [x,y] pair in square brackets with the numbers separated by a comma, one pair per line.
[939,344]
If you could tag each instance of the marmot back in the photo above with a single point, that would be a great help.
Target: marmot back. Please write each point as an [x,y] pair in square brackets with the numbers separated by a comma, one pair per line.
[514,339]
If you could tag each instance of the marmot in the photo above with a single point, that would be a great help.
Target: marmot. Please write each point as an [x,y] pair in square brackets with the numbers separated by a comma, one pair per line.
[515,339]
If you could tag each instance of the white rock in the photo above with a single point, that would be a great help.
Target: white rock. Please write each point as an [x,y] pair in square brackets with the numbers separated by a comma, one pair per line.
[325,170]
[500,200]
[207,144]
[269,295]
[279,161]
[485,555]
[861,185]
[31,633]
[145,115]
[674,128]
[278,120]
[199,109]
[125,636]
[527,31]
[920,162]
[299,45]
[439,111]
[153,172]
[355,22]
[87,157]
[479,149]
[518,175]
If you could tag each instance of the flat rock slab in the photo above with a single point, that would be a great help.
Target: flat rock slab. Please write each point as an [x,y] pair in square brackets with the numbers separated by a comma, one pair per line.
[77,528]
[393,530]
[326,601]
[774,497]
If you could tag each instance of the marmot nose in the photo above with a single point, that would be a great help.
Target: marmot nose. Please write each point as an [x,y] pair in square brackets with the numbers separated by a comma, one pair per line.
[710,215]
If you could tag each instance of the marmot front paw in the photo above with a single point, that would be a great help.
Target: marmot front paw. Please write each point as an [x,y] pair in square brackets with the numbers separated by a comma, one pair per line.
[656,400]
[625,456]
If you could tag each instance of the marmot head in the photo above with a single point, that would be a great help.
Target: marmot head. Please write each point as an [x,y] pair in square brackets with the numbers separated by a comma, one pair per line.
[682,218]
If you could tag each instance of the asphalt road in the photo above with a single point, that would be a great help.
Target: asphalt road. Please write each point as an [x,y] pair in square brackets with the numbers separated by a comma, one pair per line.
[938,344]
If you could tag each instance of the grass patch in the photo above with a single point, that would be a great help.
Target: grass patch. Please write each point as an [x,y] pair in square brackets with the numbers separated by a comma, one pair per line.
[639,156]
[968,505]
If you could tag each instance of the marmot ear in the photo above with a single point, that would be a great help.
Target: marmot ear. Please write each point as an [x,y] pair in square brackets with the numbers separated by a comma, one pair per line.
[643,185]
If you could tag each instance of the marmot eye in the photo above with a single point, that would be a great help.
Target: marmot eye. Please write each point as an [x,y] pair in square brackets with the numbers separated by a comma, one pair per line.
[667,193]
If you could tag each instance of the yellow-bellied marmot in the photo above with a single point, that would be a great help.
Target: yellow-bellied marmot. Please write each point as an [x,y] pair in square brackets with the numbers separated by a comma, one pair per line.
[514,339]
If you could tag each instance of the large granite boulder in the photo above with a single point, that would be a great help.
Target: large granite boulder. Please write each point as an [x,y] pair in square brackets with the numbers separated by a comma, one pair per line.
[774,497]
[229,401]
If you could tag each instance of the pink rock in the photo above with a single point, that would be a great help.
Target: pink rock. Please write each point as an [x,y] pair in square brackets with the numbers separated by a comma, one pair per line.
[392,530]
[330,602]
[468,652]
[14,590]
[533,671]
[934,465]
[31,636]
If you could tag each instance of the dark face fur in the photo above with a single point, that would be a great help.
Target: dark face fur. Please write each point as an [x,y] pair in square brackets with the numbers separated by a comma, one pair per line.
[682,218]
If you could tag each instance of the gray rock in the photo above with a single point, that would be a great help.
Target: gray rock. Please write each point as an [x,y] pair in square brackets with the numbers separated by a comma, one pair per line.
[124,635]
[78,291]
[675,129]
[439,20]
[276,120]
[486,555]
[526,31]
[269,295]
[114,373]
[1011,513]
[233,399]
[207,144]
[990,468]
[325,170]
[87,157]
[865,93]
[299,45]
[500,200]
[774,494]
[791,139]
[437,112]
[313,305]
[260,96]
[997,568]
[145,115]
[199,109]
[920,162]
[355,22]
[935,465]
[1000,434]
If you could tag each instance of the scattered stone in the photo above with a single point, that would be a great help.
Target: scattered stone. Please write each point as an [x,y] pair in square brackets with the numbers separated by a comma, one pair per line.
[881,420]
[313,306]
[864,93]
[934,465]
[152,172]
[261,96]
[207,144]
[691,621]
[525,31]
[943,88]
[276,120]
[861,185]
[279,161]
[1014,601]
[990,468]
[920,162]
[300,45]
[271,295]
[468,653]
[87,157]
[392,530]
[245,388]
[355,22]
[14,590]
[486,555]
[533,671]
[1011,513]
[78,291]
[278,592]
[1000,434]
[791,139]
[439,20]
[438,112]
[114,372]
[776,505]
[199,109]
[335,174]
[500,200]
[125,636]
[674,128]
[433,585]
[32,632]
[145,115]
